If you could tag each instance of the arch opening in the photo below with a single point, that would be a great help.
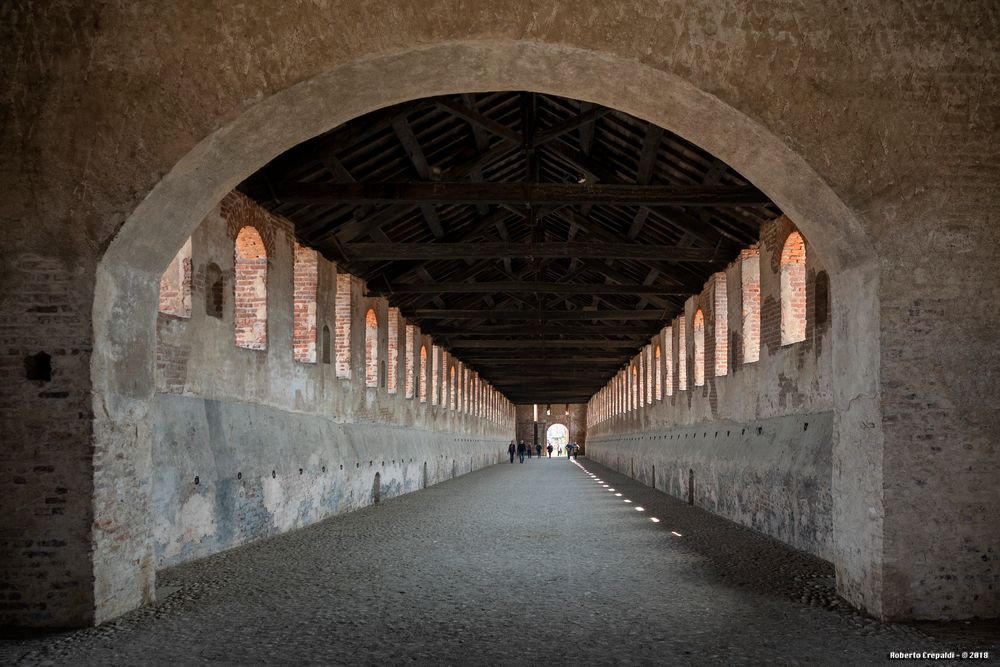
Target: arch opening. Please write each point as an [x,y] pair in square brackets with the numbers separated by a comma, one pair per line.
[244,147]
[557,435]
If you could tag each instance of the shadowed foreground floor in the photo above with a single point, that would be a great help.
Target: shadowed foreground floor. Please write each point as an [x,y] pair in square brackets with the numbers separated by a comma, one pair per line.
[514,564]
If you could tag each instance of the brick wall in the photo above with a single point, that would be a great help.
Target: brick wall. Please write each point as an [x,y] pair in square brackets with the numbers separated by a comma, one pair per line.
[250,290]
[749,332]
[793,290]
[720,321]
[435,377]
[410,370]
[698,336]
[306,281]
[717,348]
[175,284]
[342,325]
[371,349]
[758,403]
[423,374]
[393,350]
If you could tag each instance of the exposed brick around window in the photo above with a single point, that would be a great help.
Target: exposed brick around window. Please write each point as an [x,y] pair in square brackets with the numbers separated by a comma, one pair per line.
[175,284]
[793,290]
[750,294]
[250,290]
[305,279]
[720,319]
[410,361]
[342,325]
[392,381]
[371,349]
[698,334]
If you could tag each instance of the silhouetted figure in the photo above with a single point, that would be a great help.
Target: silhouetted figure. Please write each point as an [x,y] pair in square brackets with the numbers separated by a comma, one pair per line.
[538,450]
[569,450]
[550,450]
[576,450]
[512,449]
[521,449]
[529,450]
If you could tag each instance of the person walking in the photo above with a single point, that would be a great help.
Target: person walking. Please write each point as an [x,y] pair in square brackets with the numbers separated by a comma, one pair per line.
[529,451]
[512,449]
[521,447]
[549,448]
[576,450]
[538,450]
[569,450]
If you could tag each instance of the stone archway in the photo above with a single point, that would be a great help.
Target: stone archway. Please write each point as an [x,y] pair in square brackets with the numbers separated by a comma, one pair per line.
[128,274]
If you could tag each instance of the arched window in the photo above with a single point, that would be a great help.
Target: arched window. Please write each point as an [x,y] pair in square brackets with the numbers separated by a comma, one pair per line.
[422,374]
[175,284]
[633,402]
[306,278]
[453,393]
[465,389]
[411,332]
[215,289]
[371,349]
[435,374]
[444,378]
[250,302]
[658,370]
[793,290]
[750,290]
[342,324]
[698,329]
[642,379]
[326,344]
[392,380]
[720,309]
[682,355]
[650,375]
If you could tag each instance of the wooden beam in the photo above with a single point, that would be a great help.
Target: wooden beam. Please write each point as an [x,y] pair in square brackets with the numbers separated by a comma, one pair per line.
[588,116]
[612,361]
[523,287]
[415,152]
[533,316]
[534,194]
[528,329]
[479,120]
[542,344]
[581,250]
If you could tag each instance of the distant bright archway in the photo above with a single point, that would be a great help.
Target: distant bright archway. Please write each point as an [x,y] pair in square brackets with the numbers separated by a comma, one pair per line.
[557,435]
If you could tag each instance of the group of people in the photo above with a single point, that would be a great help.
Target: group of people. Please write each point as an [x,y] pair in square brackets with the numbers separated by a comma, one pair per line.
[521,449]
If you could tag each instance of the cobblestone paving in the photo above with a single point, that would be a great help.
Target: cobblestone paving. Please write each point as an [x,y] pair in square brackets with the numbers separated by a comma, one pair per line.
[514,564]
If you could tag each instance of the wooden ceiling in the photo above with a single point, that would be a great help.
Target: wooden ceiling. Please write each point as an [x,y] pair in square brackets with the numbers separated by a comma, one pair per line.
[540,239]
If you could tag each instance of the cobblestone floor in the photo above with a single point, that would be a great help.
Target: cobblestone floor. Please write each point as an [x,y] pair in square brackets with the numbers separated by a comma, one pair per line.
[514,564]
